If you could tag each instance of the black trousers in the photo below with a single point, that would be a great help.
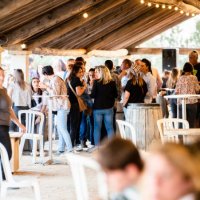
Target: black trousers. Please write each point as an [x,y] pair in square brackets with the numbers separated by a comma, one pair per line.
[5,140]
[75,120]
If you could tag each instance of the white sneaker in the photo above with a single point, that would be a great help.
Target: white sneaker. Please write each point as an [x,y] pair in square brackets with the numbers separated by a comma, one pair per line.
[78,148]
[37,153]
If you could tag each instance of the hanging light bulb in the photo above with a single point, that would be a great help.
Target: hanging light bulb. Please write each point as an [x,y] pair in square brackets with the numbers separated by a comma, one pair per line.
[163,6]
[169,7]
[193,15]
[85,15]
[23,46]
[142,2]
[149,4]
[176,8]
[181,11]
[157,5]
[187,14]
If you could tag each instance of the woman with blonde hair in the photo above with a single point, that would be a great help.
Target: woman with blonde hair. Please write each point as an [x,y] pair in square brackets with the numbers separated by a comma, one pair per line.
[136,88]
[173,173]
[20,93]
[104,92]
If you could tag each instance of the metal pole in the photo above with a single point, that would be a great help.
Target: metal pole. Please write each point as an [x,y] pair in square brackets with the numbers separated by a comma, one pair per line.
[183,108]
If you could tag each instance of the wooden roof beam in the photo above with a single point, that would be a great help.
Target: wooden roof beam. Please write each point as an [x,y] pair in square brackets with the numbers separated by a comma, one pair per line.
[122,37]
[147,37]
[75,22]
[27,13]
[103,25]
[49,20]
[149,32]
[13,6]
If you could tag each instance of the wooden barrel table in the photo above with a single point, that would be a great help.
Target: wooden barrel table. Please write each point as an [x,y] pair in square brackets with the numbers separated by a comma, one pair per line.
[144,118]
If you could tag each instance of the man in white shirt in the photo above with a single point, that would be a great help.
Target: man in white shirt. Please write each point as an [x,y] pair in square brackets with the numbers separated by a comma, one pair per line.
[150,81]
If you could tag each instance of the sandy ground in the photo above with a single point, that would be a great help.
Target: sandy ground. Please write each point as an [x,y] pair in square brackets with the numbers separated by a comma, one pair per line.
[55,181]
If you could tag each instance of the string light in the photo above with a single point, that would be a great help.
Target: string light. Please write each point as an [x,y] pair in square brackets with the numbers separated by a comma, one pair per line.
[176,8]
[169,7]
[150,3]
[85,15]
[23,46]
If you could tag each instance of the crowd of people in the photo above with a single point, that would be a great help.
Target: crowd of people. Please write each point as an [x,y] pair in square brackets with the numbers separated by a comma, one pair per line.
[84,105]
[101,88]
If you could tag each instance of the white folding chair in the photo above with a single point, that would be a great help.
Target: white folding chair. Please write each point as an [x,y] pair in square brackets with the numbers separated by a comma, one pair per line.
[127,131]
[78,164]
[10,182]
[33,132]
[168,124]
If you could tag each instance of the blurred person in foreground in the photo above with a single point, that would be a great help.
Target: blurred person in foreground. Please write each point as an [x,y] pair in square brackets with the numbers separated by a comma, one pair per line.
[123,166]
[173,173]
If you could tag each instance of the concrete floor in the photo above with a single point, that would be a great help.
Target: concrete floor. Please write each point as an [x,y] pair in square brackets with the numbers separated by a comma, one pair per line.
[55,181]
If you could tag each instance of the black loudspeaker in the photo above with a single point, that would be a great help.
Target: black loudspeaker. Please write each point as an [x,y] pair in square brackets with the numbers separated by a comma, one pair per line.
[168,59]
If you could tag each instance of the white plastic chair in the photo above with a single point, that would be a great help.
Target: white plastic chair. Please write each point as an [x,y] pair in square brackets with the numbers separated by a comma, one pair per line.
[78,164]
[10,182]
[127,131]
[168,124]
[32,133]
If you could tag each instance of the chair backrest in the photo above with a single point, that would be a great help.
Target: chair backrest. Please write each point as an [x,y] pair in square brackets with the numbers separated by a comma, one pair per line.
[78,165]
[127,131]
[30,117]
[6,164]
[167,124]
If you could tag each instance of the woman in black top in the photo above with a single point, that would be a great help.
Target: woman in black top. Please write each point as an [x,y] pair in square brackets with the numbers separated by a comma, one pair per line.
[136,88]
[79,87]
[6,113]
[104,92]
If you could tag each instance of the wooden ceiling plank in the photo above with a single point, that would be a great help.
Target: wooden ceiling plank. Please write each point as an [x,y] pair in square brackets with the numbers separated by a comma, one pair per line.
[102,26]
[122,37]
[28,12]
[122,31]
[49,20]
[154,33]
[76,22]
[162,25]
[12,6]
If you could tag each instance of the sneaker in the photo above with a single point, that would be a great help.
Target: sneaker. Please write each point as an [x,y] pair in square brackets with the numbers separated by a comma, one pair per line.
[92,149]
[37,153]
[78,148]
[58,153]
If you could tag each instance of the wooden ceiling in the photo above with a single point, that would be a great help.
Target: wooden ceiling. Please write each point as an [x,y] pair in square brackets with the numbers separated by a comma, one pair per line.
[59,24]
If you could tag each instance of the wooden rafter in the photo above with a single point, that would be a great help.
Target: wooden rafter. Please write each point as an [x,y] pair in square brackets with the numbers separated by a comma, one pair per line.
[100,26]
[135,30]
[49,20]
[27,13]
[75,22]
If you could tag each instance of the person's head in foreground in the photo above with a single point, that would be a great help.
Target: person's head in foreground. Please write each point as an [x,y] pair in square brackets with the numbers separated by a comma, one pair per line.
[121,162]
[172,173]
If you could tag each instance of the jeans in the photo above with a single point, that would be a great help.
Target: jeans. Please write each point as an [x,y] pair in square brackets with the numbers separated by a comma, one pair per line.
[173,105]
[99,116]
[5,140]
[87,128]
[64,137]
[191,110]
